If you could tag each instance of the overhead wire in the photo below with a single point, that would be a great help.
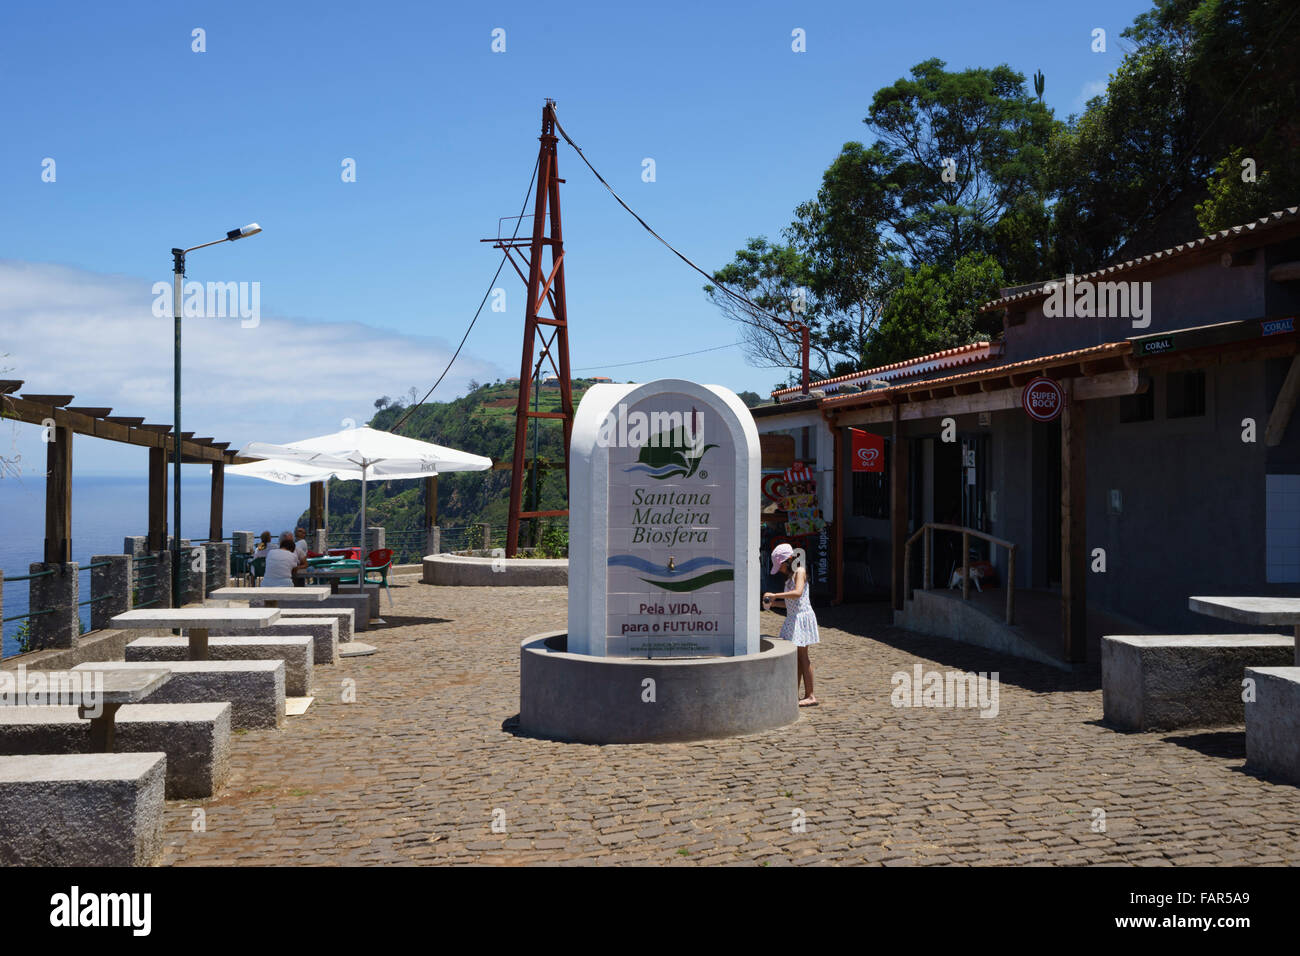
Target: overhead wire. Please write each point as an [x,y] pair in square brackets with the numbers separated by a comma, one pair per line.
[505,255]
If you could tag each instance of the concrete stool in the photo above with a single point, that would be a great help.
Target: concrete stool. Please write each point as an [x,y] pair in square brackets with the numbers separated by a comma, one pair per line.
[296,650]
[1164,682]
[371,591]
[358,603]
[323,630]
[195,738]
[255,689]
[82,809]
[343,616]
[1273,722]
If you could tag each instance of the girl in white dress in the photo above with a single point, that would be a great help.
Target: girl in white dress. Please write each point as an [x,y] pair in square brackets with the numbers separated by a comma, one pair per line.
[800,625]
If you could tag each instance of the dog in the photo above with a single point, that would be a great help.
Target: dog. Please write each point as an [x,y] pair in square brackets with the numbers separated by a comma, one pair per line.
[975,575]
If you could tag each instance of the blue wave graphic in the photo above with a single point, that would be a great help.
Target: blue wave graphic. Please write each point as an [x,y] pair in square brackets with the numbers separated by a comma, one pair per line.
[657,472]
[641,564]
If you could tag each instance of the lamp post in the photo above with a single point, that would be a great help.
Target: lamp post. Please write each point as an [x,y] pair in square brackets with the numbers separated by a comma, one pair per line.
[178,276]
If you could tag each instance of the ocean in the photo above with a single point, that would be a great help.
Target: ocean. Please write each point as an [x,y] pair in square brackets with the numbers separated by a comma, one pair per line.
[106,509]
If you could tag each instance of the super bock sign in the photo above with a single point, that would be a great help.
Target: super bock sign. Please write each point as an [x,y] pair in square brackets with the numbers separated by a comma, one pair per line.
[663,522]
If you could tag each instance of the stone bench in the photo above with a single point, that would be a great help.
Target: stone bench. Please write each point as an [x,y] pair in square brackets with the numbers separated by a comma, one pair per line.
[1273,722]
[341,615]
[1166,682]
[298,651]
[255,689]
[195,738]
[371,590]
[359,604]
[323,630]
[82,809]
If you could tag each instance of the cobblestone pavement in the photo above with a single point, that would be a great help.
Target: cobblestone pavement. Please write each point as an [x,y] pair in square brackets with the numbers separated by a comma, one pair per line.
[415,770]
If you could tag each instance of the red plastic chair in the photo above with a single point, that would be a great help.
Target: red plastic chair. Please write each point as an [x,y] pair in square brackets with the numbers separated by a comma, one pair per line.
[379,561]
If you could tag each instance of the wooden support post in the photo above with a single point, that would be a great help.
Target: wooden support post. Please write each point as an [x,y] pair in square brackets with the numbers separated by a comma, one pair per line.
[58,495]
[965,566]
[217,502]
[927,546]
[1074,527]
[1284,406]
[1011,586]
[897,512]
[315,506]
[430,502]
[837,485]
[158,500]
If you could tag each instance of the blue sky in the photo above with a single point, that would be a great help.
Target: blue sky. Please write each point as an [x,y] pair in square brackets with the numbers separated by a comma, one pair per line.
[366,287]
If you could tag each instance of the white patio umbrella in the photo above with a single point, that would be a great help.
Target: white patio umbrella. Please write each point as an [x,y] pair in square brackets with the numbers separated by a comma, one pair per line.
[288,472]
[374,454]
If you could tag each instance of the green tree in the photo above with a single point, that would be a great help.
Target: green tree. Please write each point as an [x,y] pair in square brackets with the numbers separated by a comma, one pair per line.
[934,307]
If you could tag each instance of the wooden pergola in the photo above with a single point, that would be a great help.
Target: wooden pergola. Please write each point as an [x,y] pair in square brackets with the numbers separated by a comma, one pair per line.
[63,420]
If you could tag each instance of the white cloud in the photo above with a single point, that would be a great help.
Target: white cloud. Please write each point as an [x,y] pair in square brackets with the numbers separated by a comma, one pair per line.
[1090,89]
[65,330]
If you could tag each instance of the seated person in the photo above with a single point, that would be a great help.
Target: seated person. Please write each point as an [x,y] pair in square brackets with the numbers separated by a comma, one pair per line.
[281,563]
[263,546]
[300,542]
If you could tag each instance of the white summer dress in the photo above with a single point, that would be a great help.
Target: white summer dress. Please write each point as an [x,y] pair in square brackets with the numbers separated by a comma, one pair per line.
[800,625]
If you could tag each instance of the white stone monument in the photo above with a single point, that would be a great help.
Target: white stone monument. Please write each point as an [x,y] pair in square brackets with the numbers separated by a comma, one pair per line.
[663,523]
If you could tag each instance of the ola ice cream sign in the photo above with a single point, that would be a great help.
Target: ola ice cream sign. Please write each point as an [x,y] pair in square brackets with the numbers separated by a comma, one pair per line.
[663,522]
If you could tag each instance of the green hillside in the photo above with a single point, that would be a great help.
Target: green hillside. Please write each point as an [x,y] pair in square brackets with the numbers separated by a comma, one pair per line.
[481,422]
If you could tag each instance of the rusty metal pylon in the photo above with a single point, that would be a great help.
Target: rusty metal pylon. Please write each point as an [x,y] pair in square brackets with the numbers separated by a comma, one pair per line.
[540,291]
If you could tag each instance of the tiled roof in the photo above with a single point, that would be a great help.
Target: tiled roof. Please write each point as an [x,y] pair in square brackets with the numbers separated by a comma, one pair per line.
[1264,223]
[948,358]
[1092,353]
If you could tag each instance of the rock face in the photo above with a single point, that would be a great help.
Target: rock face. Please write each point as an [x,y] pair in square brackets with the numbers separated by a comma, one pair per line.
[1165,682]
[82,809]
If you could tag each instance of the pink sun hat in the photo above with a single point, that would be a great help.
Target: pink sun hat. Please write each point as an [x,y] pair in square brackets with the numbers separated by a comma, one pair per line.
[780,554]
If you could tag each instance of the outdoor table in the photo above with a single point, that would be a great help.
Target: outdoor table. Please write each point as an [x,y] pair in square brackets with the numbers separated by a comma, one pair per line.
[332,574]
[271,597]
[197,621]
[1251,610]
[117,688]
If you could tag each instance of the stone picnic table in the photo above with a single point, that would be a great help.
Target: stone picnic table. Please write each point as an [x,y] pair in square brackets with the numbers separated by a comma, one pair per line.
[270,596]
[97,703]
[327,573]
[197,621]
[1250,610]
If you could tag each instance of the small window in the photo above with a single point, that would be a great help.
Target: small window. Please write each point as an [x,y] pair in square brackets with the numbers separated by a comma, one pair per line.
[1138,408]
[1185,395]
[871,490]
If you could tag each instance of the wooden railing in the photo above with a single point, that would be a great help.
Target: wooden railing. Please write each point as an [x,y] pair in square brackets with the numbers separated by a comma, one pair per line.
[926,533]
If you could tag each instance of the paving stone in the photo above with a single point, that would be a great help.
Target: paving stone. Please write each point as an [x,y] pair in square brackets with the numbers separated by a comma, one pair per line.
[422,753]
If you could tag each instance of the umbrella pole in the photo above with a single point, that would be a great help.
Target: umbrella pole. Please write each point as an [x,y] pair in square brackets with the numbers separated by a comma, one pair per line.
[364,469]
[327,514]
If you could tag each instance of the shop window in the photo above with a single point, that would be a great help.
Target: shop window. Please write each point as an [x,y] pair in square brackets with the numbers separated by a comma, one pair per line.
[1282,529]
[871,491]
[1138,408]
[1185,394]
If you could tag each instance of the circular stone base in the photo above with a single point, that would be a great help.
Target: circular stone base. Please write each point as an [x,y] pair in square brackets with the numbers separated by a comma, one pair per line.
[607,700]
[458,570]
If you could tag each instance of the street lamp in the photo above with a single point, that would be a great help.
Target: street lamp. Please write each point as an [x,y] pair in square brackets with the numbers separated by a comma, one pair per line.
[178,275]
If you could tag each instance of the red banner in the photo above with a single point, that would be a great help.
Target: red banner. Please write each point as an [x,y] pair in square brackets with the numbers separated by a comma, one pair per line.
[868,451]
